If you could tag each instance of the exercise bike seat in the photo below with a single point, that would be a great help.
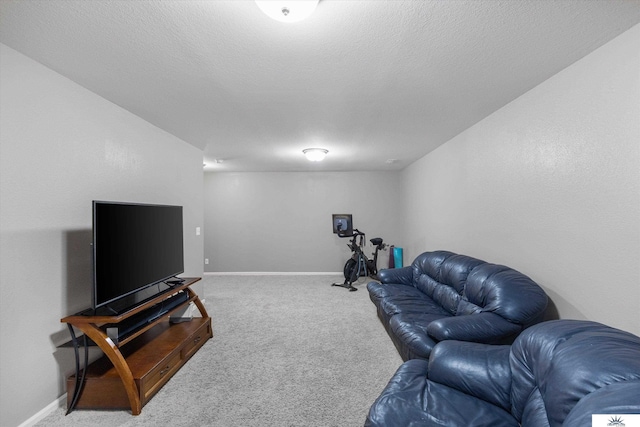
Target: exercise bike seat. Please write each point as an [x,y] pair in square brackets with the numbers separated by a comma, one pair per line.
[376,241]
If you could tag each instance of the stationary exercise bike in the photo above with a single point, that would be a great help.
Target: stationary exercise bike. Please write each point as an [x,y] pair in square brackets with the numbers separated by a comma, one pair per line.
[359,265]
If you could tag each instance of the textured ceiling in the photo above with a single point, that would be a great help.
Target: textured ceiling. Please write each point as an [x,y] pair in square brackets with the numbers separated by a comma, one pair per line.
[368,80]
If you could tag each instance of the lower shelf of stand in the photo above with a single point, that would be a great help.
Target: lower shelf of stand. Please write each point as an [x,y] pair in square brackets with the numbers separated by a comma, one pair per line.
[153,358]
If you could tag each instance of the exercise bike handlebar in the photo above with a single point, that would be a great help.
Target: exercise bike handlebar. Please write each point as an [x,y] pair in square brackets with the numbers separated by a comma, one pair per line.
[355,233]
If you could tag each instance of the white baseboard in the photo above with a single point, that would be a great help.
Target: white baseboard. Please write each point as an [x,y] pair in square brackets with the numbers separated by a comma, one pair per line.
[58,403]
[272,273]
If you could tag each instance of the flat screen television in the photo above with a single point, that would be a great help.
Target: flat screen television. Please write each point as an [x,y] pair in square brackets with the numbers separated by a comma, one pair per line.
[135,246]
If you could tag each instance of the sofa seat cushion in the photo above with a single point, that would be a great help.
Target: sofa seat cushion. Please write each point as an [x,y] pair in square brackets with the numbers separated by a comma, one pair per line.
[411,330]
[410,399]
[380,291]
[391,300]
[401,400]
[417,303]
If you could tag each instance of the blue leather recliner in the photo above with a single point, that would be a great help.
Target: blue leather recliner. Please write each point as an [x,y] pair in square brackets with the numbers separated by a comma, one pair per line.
[445,296]
[556,373]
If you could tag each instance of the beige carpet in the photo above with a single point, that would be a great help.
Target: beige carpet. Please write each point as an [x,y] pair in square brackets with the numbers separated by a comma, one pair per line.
[286,351]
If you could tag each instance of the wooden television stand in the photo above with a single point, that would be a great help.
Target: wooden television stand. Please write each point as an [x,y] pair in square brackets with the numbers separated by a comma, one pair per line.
[139,362]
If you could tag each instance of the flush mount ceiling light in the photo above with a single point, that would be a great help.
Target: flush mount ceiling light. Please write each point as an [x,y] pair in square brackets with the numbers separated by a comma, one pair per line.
[315,154]
[287,10]
[212,163]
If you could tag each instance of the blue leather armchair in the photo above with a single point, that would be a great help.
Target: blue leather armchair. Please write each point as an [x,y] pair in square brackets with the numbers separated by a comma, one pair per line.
[445,296]
[556,373]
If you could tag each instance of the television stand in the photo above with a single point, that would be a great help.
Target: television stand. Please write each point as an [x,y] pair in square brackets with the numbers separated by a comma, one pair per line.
[142,348]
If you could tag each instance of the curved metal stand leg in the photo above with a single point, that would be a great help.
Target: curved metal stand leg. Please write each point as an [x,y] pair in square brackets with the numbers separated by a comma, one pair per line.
[77,389]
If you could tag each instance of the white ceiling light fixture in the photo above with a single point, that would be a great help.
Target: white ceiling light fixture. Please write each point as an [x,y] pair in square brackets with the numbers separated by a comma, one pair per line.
[315,154]
[287,10]
[212,163]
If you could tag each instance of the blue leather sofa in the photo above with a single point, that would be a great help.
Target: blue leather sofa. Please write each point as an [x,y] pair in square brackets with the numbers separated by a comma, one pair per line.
[556,373]
[445,296]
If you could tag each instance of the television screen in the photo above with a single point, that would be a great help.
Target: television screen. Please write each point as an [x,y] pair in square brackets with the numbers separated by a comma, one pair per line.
[134,246]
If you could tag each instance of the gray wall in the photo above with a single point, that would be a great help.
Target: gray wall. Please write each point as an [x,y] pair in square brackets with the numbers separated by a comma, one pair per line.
[281,222]
[549,185]
[61,147]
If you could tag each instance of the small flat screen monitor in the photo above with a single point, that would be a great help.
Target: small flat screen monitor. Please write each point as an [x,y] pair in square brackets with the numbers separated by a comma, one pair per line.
[342,224]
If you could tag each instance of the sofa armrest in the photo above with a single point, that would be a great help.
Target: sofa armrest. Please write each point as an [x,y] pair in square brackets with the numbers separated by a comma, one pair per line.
[480,327]
[480,370]
[402,276]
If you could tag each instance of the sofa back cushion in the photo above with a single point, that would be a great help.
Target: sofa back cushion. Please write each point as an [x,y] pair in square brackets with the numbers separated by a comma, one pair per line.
[442,276]
[464,285]
[556,364]
[428,264]
[503,291]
